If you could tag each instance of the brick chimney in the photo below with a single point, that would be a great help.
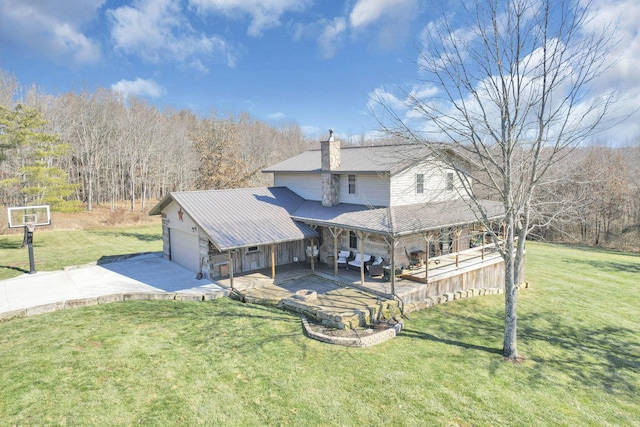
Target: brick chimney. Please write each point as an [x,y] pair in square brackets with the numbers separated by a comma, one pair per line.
[330,154]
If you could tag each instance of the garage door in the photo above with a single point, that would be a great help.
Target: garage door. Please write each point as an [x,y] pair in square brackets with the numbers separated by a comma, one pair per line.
[184,249]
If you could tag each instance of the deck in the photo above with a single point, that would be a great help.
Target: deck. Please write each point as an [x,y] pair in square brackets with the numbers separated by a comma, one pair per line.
[343,301]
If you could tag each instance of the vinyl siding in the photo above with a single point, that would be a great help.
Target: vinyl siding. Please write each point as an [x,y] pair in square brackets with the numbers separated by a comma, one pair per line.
[371,190]
[403,186]
[307,186]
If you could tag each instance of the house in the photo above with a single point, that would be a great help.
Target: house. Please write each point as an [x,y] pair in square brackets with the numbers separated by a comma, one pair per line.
[401,203]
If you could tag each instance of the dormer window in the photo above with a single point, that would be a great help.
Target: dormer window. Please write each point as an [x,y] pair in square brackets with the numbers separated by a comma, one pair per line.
[419,183]
[352,184]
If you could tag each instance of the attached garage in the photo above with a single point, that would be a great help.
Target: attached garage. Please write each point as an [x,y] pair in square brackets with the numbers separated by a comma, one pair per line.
[184,249]
[244,229]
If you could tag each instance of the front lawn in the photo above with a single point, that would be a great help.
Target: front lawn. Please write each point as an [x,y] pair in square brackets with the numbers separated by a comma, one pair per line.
[54,250]
[227,363]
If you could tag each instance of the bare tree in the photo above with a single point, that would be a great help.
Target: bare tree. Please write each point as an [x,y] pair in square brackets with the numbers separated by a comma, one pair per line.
[507,84]
[218,148]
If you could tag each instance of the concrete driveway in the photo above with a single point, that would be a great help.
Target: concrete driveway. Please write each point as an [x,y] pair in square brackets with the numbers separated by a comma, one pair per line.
[148,273]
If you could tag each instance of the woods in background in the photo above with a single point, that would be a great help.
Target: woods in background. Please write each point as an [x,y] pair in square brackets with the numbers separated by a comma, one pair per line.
[108,149]
[76,150]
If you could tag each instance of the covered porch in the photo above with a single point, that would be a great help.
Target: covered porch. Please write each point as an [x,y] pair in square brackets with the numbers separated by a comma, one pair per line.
[345,300]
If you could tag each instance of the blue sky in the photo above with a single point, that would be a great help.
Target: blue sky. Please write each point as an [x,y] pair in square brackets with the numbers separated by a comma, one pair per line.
[312,62]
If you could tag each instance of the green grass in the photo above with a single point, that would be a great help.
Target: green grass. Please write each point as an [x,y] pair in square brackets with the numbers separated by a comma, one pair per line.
[54,250]
[227,363]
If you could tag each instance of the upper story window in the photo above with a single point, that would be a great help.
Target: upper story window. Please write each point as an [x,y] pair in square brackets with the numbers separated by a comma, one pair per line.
[449,181]
[352,184]
[419,183]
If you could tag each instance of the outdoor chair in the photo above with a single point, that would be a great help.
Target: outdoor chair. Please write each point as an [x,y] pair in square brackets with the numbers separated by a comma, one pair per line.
[376,268]
[358,261]
[414,260]
[343,258]
[310,253]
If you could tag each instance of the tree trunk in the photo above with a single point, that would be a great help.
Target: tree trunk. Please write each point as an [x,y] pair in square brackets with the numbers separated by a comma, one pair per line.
[509,349]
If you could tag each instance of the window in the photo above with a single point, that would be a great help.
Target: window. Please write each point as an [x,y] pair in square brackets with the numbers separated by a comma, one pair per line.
[449,181]
[419,183]
[252,249]
[353,240]
[352,184]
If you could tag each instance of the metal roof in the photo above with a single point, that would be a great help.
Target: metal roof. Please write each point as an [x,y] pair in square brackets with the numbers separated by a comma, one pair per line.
[238,218]
[396,220]
[243,217]
[386,159]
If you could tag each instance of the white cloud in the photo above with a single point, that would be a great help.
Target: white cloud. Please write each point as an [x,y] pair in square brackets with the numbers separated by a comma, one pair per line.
[331,36]
[391,19]
[366,12]
[52,28]
[277,116]
[157,31]
[264,14]
[138,87]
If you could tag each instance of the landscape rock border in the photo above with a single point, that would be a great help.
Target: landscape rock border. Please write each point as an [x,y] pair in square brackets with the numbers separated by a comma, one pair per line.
[106,299]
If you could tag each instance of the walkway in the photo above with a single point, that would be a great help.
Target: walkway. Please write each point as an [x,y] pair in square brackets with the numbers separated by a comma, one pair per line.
[143,274]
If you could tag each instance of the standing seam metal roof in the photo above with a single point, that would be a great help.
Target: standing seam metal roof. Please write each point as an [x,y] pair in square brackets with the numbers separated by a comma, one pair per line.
[387,159]
[395,220]
[243,217]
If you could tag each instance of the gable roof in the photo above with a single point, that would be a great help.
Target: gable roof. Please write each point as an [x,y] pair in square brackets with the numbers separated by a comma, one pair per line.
[382,159]
[243,217]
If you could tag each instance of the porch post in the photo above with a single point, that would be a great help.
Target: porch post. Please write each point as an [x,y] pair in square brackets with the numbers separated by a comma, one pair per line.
[231,268]
[427,237]
[392,272]
[313,268]
[456,234]
[273,261]
[362,237]
[482,243]
[335,233]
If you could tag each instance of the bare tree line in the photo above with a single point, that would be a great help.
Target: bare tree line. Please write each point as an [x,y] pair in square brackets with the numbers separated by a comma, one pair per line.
[124,150]
[592,197]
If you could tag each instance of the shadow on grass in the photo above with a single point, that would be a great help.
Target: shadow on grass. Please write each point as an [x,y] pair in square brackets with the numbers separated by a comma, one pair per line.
[594,249]
[425,336]
[607,357]
[608,266]
[18,269]
[604,356]
[7,244]
[143,237]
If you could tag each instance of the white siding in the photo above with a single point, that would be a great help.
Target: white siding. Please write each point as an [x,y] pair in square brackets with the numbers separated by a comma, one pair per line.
[174,221]
[371,190]
[183,238]
[403,186]
[307,186]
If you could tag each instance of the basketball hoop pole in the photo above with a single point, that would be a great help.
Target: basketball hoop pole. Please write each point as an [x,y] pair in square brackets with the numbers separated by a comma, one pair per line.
[29,227]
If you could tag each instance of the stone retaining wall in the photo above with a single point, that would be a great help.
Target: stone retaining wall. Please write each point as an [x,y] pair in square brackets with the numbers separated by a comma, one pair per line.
[105,299]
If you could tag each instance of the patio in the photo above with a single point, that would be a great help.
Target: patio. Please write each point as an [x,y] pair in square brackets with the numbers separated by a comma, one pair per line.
[343,301]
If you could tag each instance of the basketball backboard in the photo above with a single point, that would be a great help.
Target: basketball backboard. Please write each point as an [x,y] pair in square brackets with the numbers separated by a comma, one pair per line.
[23,216]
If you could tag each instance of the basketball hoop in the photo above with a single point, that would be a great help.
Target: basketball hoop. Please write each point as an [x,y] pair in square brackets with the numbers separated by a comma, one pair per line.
[30,226]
